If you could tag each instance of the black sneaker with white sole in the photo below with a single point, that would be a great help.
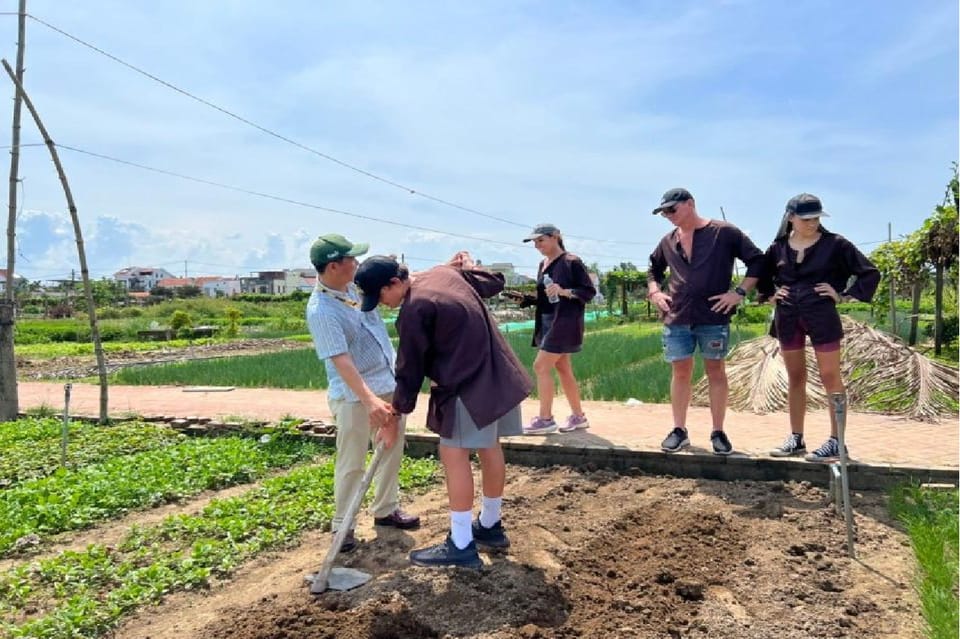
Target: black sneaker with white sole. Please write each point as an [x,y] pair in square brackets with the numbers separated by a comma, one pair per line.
[792,445]
[721,443]
[676,440]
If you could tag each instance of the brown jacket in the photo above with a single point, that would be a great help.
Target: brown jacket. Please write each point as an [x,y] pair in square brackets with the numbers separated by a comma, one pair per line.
[447,334]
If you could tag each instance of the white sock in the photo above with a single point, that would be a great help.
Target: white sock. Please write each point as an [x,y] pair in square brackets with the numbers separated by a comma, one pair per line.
[461,528]
[490,511]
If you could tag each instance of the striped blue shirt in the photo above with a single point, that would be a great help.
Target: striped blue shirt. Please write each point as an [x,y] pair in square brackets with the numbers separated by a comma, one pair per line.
[339,326]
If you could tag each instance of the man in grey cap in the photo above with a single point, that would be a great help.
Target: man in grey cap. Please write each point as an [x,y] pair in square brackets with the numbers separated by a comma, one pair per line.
[697,305]
[359,359]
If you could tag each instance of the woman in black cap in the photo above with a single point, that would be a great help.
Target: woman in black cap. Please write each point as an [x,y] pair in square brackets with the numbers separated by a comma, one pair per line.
[563,289]
[807,273]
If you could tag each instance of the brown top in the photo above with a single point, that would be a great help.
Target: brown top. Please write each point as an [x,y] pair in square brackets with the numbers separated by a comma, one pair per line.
[447,334]
[568,271]
[692,283]
[832,259]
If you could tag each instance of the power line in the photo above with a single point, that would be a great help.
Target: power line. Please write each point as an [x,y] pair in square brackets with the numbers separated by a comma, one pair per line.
[302,146]
[318,207]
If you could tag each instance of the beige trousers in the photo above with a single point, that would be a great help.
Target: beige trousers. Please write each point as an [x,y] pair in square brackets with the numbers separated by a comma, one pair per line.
[354,437]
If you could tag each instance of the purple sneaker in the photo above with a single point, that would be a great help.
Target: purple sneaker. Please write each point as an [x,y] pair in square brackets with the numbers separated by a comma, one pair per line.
[540,426]
[575,422]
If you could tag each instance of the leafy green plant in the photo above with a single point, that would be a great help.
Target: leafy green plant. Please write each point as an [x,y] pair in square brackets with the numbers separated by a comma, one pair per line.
[86,593]
[72,499]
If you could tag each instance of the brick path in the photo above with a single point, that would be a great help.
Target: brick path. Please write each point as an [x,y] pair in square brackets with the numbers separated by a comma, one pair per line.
[873,439]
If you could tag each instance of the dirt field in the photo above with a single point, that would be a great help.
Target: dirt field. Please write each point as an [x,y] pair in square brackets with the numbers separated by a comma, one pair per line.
[594,554]
[77,366]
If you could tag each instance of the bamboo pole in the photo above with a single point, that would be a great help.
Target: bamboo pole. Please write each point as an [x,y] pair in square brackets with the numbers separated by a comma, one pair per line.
[9,400]
[84,271]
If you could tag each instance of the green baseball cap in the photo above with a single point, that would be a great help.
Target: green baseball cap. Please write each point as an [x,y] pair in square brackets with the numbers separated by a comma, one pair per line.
[332,247]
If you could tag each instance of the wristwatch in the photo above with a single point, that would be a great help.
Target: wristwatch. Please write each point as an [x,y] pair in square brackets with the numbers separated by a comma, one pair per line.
[739,291]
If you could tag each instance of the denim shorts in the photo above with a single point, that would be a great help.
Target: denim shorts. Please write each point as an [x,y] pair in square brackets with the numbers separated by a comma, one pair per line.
[681,340]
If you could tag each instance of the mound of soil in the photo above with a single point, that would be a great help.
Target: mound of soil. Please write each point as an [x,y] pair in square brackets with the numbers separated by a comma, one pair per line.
[594,554]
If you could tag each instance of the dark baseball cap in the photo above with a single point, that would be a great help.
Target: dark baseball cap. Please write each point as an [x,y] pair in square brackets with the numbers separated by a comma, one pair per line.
[540,230]
[332,247]
[806,206]
[373,274]
[672,198]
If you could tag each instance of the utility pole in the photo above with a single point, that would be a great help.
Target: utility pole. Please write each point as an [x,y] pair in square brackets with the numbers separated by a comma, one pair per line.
[9,399]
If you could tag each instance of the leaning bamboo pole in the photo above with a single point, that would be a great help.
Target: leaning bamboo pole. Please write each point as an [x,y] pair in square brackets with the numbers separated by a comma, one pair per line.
[84,271]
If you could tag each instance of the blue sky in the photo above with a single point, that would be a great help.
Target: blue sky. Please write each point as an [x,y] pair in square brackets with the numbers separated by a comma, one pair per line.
[576,113]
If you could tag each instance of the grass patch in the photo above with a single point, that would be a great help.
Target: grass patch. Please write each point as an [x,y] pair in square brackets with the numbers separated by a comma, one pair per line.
[931,520]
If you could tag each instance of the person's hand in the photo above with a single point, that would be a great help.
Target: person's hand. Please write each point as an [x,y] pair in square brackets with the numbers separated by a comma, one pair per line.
[826,290]
[553,289]
[781,296]
[380,412]
[725,302]
[461,260]
[662,301]
[389,431]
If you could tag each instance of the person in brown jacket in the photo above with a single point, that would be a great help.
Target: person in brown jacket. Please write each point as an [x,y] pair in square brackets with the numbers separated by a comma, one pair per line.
[807,272]
[447,334]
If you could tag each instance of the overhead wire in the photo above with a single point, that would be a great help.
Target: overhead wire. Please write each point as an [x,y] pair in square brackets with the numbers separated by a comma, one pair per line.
[302,146]
[286,200]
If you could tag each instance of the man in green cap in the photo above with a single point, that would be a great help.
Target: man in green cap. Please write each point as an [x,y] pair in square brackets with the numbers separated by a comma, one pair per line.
[359,359]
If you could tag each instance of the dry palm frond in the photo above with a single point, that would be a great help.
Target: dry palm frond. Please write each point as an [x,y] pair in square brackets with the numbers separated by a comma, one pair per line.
[881,374]
[885,374]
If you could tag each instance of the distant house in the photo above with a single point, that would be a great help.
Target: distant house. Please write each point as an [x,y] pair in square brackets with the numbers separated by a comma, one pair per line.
[219,286]
[265,282]
[138,278]
[4,278]
[510,276]
[301,279]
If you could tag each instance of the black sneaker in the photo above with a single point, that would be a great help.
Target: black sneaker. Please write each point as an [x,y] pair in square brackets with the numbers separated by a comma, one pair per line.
[492,537]
[721,444]
[792,445]
[828,451]
[676,440]
[447,554]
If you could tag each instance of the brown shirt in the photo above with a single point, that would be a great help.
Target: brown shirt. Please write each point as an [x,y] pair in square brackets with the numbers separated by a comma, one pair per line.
[716,247]
[447,334]
[832,259]
[569,272]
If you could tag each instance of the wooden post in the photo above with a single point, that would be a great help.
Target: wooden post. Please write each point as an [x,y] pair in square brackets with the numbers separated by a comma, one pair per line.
[893,295]
[84,271]
[9,399]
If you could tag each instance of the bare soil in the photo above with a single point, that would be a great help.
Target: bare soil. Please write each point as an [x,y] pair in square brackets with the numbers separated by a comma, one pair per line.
[594,554]
[79,366]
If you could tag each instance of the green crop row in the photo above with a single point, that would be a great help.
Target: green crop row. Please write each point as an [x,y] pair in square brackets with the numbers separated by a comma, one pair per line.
[74,499]
[85,594]
[31,447]
[604,367]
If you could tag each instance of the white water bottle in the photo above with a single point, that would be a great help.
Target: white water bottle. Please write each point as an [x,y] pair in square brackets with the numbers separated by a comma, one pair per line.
[553,299]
